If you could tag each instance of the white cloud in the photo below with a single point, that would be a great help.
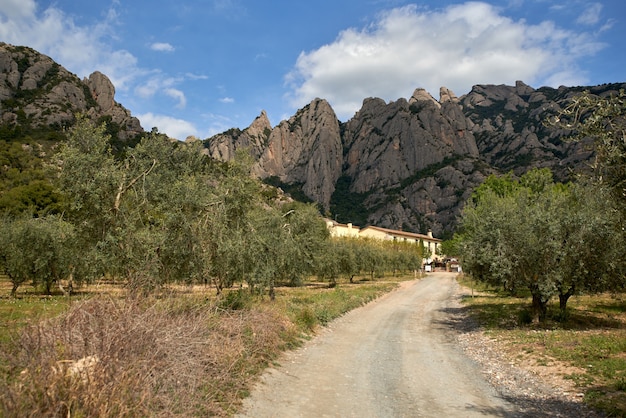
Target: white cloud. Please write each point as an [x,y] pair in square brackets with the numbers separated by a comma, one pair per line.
[591,14]
[172,127]
[17,9]
[227,100]
[192,76]
[158,84]
[162,47]
[457,47]
[80,49]
[150,87]
[178,95]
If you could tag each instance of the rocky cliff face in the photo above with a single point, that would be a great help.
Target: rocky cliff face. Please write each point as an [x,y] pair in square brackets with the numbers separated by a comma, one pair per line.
[407,164]
[305,150]
[388,143]
[508,123]
[38,92]
[411,164]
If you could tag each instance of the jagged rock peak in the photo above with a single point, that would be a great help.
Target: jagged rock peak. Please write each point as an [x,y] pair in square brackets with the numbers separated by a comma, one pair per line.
[447,95]
[522,88]
[102,90]
[260,125]
[55,95]
[318,107]
[420,95]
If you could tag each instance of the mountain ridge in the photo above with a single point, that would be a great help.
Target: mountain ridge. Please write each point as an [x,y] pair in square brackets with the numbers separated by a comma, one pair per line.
[37,92]
[406,164]
[411,164]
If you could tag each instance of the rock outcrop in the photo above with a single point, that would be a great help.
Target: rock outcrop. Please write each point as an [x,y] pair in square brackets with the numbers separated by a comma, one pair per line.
[508,122]
[254,139]
[36,90]
[408,164]
[412,164]
[306,149]
[390,142]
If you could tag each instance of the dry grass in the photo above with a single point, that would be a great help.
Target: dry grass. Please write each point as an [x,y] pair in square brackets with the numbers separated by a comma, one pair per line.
[180,353]
[175,357]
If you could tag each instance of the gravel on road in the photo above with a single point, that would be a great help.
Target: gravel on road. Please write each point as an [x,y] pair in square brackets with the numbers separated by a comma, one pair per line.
[411,353]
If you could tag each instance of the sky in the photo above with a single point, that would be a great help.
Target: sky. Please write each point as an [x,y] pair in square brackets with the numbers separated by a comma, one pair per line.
[198,68]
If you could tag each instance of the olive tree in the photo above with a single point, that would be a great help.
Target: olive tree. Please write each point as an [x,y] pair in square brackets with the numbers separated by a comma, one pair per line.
[551,239]
[603,119]
[590,242]
[345,251]
[90,178]
[143,215]
[39,250]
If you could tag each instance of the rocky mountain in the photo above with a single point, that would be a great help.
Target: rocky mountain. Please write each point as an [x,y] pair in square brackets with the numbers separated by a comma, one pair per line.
[305,150]
[37,93]
[411,164]
[408,164]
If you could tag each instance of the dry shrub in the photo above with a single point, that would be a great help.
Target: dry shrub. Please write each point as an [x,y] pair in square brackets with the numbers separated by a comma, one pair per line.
[144,357]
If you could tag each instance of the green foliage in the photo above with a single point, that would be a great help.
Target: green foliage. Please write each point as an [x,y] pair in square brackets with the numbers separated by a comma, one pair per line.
[602,118]
[548,238]
[346,205]
[429,171]
[163,212]
[350,257]
[36,250]
[37,198]
[292,189]
[235,300]
[501,186]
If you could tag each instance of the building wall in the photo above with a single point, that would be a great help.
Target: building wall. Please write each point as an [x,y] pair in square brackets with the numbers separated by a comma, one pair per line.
[342,230]
[430,243]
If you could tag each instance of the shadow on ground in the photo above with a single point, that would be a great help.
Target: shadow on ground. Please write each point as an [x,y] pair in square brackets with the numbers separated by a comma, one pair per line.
[459,320]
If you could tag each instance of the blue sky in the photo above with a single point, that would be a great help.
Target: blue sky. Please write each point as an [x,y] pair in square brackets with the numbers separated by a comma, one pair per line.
[201,67]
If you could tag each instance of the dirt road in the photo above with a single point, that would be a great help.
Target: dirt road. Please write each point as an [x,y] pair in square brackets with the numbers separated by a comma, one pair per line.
[395,357]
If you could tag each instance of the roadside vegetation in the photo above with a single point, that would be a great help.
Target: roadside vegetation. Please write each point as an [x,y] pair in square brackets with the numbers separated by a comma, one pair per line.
[156,281]
[560,247]
[588,349]
[162,212]
[182,351]
[552,239]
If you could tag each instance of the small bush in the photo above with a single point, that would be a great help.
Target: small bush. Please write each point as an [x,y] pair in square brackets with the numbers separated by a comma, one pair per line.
[324,315]
[236,300]
[306,319]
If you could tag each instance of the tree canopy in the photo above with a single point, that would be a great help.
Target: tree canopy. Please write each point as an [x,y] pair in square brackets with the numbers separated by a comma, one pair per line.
[549,238]
[161,211]
[603,119]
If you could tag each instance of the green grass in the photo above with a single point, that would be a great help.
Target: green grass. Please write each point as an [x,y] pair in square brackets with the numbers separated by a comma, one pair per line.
[592,339]
[309,309]
[15,313]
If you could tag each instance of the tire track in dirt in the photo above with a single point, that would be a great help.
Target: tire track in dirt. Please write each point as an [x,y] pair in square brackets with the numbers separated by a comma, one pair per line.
[395,357]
